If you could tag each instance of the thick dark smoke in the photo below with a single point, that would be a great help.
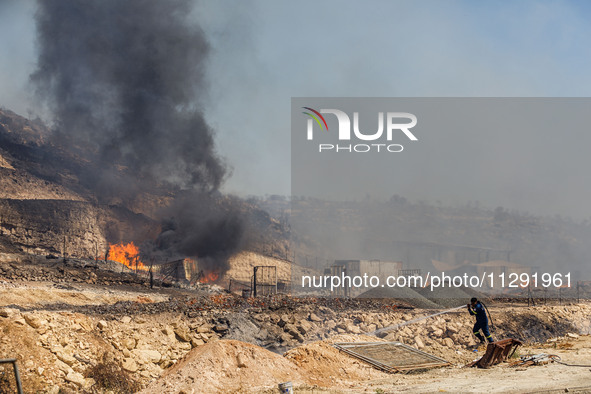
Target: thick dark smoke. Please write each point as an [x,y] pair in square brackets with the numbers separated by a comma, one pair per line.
[203,225]
[123,80]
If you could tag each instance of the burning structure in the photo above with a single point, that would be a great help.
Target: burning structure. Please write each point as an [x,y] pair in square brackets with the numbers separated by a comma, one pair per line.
[128,170]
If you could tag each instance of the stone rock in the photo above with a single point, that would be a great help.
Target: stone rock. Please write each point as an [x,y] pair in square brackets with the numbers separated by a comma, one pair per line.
[353,329]
[182,334]
[452,329]
[241,360]
[285,337]
[175,323]
[304,326]
[572,335]
[293,331]
[221,328]
[84,325]
[330,324]
[102,324]
[196,342]
[65,357]
[390,336]
[125,319]
[420,331]
[448,342]
[128,343]
[76,378]
[62,366]
[205,328]
[145,356]
[326,311]
[54,390]
[406,331]
[129,365]
[285,319]
[419,342]
[437,332]
[6,312]
[169,332]
[313,317]
[32,320]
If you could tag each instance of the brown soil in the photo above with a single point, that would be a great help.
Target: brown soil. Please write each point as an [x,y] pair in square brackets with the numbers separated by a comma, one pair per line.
[326,366]
[179,340]
[226,366]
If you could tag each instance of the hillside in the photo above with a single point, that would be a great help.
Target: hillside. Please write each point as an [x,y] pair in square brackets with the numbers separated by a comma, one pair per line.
[416,233]
[49,198]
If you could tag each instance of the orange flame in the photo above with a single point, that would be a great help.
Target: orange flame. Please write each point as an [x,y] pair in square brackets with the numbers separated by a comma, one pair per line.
[209,277]
[128,255]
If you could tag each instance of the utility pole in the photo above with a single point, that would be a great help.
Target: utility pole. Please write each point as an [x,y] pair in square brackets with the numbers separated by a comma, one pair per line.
[254,284]
[95,253]
[64,250]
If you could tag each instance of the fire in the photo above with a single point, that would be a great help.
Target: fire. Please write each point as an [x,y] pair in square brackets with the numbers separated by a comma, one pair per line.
[128,255]
[209,277]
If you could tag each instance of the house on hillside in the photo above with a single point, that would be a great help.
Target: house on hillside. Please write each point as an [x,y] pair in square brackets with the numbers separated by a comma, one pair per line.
[359,268]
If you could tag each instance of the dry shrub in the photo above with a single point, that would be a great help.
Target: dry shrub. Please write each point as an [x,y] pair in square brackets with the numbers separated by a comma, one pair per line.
[566,345]
[108,374]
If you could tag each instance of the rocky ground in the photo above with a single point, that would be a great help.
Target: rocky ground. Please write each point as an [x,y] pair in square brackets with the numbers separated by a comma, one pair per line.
[79,328]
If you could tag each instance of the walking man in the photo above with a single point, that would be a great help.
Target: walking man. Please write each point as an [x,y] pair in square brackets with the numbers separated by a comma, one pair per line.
[476,308]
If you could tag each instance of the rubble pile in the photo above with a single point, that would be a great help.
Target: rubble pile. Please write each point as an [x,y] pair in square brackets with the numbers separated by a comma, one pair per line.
[448,296]
[55,270]
[57,348]
[405,294]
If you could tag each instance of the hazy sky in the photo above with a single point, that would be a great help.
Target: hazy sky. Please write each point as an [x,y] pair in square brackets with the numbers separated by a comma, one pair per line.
[265,52]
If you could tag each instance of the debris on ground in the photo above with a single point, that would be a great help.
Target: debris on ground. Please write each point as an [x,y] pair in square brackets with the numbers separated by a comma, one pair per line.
[497,352]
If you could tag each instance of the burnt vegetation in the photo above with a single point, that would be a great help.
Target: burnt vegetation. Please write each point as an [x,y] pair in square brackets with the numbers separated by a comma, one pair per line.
[108,374]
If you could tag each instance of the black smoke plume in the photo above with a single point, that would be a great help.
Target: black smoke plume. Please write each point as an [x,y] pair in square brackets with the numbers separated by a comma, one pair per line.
[123,81]
[199,224]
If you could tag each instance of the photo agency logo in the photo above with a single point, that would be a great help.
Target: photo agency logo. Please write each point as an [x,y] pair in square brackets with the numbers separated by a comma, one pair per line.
[397,124]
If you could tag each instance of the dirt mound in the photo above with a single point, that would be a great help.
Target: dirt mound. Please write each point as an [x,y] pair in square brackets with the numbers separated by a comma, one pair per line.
[404,294]
[475,293]
[326,366]
[226,366]
[447,297]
